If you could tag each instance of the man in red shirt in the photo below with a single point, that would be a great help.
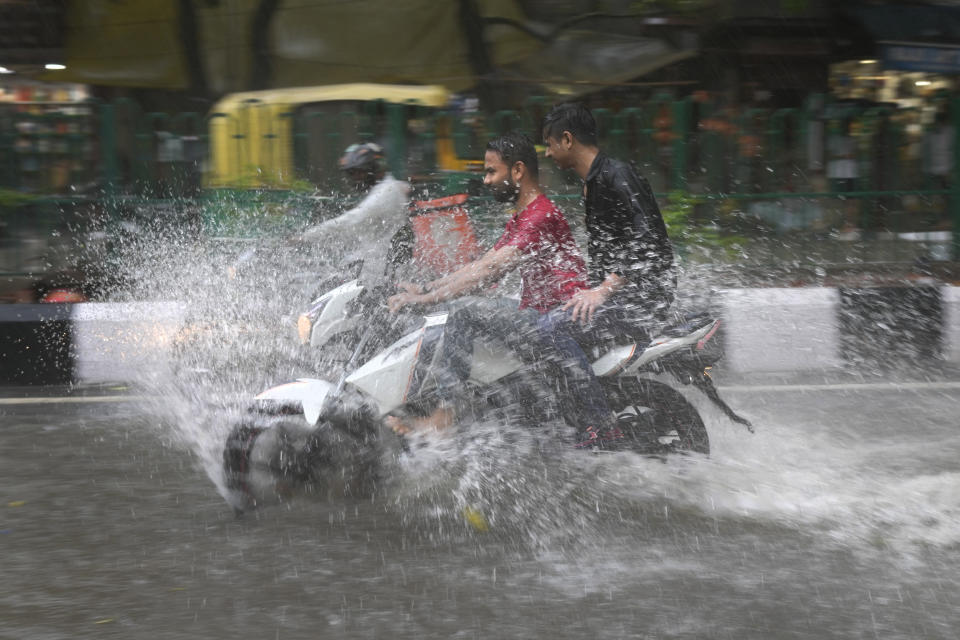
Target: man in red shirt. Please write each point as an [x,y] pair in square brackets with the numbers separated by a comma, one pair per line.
[536,240]
[551,267]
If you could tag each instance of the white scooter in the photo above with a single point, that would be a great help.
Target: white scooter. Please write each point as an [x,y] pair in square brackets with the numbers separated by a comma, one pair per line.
[331,436]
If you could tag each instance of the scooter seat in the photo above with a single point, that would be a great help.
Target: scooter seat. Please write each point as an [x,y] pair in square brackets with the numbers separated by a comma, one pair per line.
[616,333]
[686,324]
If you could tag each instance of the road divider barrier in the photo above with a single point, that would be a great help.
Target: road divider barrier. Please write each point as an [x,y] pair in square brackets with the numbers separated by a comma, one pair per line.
[85,343]
[763,329]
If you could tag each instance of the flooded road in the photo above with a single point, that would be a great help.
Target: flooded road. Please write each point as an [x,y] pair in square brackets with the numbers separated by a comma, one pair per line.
[840,518]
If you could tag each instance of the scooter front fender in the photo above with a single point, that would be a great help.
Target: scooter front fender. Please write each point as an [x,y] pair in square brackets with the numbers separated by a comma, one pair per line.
[309,393]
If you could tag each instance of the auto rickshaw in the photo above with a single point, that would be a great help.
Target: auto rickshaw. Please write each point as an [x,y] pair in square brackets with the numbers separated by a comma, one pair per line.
[291,138]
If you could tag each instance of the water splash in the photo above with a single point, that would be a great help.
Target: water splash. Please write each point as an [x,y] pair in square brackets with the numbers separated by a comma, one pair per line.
[240,299]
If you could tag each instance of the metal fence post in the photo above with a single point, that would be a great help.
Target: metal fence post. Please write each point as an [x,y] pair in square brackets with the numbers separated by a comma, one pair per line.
[398,141]
[146,137]
[712,147]
[9,175]
[333,137]
[503,121]
[618,135]
[681,117]
[532,112]
[423,153]
[955,179]
[781,156]
[108,156]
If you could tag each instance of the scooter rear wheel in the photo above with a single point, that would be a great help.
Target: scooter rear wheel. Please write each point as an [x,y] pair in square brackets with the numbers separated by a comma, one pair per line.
[666,412]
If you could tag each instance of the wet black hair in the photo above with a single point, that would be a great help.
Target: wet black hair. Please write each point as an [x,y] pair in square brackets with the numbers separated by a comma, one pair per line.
[515,146]
[573,117]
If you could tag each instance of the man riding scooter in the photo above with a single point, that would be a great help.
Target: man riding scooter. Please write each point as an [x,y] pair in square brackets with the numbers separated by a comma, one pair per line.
[536,241]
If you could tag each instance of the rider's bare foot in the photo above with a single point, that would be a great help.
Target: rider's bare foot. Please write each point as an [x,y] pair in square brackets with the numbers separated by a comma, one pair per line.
[396,425]
[439,420]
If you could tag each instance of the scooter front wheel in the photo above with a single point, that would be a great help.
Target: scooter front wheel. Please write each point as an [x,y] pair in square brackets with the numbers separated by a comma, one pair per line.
[259,460]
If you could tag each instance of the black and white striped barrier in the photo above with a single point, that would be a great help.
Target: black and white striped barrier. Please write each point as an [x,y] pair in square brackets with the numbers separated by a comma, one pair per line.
[764,330]
[35,344]
[84,343]
[812,329]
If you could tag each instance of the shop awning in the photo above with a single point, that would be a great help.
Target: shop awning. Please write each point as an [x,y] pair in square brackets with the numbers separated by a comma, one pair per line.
[144,43]
[578,62]
[914,37]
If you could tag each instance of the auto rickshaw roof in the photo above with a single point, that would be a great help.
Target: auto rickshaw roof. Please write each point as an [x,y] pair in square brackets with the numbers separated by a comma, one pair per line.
[425,95]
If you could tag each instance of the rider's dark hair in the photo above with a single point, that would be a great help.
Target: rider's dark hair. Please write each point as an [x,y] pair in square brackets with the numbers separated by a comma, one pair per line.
[515,146]
[573,117]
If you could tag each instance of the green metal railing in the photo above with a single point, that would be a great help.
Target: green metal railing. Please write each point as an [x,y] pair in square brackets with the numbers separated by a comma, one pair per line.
[719,155]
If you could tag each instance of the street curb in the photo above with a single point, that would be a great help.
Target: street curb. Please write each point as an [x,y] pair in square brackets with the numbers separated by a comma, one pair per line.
[779,329]
[120,342]
[951,323]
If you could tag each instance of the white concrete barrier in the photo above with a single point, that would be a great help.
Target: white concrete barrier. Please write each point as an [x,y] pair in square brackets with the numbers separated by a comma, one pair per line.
[764,330]
[780,329]
[951,324]
[118,342]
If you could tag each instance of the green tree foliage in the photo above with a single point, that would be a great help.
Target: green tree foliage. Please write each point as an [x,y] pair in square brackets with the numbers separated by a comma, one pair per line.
[695,237]
[10,199]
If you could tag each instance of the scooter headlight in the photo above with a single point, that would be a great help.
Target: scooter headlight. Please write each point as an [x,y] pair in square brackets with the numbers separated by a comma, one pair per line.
[304,326]
[305,321]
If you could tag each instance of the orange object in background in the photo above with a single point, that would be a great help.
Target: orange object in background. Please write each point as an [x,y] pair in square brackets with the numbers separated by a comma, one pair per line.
[63,296]
[663,124]
[751,146]
[444,239]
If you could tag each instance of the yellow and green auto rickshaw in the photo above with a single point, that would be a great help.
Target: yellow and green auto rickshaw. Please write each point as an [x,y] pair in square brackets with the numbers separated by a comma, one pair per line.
[290,138]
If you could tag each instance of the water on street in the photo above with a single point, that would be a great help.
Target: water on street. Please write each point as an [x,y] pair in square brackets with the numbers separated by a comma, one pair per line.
[839,518]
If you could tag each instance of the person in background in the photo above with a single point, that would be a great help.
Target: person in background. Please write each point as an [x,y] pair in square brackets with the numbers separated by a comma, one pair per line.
[364,231]
[843,169]
[392,237]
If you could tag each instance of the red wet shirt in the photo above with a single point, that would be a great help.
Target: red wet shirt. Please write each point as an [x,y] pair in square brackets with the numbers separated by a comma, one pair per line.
[553,269]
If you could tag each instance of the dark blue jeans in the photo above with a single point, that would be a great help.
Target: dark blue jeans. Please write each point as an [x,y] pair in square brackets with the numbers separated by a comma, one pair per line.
[546,343]
[483,319]
[587,403]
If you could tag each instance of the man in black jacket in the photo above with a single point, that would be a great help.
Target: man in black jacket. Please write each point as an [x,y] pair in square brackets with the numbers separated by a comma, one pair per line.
[631,258]
[631,266]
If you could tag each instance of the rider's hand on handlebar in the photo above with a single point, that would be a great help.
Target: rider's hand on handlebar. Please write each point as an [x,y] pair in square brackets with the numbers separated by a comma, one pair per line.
[411,294]
[400,300]
[404,299]
[410,287]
